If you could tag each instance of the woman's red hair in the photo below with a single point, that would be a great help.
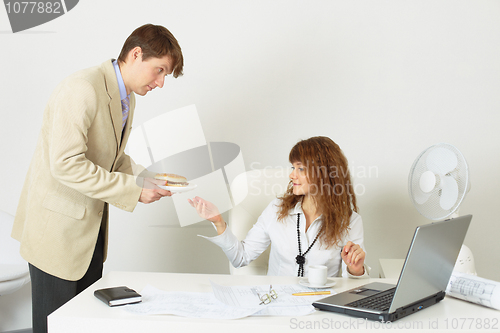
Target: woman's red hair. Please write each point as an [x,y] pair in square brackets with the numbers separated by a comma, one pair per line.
[331,186]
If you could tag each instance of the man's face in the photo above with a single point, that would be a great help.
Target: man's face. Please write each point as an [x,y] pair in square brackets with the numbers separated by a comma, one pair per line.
[149,74]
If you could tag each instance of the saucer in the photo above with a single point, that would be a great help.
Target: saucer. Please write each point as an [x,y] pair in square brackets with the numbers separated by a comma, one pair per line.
[329,283]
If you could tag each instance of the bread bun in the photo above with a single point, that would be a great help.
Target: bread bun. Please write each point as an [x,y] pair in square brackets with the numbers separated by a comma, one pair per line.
[172,179]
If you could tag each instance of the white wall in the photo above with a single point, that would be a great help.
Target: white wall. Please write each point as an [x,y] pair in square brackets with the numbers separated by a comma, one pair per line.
[384,79]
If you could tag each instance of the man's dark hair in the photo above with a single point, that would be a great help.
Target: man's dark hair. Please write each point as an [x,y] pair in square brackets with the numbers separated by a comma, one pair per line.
[155,41]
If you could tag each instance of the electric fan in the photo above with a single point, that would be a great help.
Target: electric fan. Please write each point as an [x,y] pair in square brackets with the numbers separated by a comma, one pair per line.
[438,183]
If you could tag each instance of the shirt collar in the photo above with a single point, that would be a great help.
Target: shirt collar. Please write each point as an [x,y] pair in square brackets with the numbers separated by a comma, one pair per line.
[119,78]
[298,209]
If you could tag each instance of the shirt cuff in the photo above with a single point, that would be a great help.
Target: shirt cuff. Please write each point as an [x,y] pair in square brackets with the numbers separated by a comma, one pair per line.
[225,240]
[365,275]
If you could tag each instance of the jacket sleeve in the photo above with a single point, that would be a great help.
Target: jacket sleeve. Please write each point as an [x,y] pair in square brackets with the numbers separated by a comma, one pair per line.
[74,109]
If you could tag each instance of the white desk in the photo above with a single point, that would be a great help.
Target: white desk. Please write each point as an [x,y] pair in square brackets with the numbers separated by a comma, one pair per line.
[85,313]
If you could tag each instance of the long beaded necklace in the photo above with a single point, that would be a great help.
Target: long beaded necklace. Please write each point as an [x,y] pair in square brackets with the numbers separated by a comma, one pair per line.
[300,259]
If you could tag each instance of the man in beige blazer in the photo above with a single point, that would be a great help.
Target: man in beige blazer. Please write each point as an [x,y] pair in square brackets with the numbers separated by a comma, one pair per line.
[79,167]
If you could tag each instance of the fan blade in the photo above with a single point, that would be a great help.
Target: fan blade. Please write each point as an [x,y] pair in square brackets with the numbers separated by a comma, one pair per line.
[441,161]
[427,181]
[449,193]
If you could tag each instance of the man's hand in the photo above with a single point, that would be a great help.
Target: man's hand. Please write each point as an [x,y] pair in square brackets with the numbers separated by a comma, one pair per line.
[151,192]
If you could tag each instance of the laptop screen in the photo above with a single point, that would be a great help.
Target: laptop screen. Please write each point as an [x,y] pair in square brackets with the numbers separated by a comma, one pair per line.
[430,260]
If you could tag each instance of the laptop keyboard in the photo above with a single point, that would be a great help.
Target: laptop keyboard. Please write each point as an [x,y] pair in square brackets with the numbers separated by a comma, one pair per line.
[381,301]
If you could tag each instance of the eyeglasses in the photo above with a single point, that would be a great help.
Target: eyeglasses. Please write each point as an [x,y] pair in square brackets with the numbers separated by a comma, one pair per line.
[267,298]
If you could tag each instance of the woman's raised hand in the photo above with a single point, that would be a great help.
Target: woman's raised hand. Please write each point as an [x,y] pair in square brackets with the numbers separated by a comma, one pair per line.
[208,211]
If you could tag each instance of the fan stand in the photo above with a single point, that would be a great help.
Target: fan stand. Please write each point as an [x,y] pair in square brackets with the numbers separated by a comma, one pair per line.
[465,261]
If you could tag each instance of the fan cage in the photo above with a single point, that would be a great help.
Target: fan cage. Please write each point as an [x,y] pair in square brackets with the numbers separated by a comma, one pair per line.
[431,207]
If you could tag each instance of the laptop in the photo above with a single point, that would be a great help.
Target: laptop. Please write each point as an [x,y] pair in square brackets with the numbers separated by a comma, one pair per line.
[422,282]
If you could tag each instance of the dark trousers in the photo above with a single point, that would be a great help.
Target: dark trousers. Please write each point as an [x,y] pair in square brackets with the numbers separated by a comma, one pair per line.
[48,292]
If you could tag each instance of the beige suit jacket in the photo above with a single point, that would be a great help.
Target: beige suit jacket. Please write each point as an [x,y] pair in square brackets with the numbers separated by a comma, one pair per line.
[78,167]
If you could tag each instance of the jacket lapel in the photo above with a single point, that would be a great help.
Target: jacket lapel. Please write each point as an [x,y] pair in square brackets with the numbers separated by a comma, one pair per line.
[115,105]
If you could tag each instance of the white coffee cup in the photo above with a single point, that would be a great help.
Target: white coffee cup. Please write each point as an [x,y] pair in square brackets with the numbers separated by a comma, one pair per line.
[317,275]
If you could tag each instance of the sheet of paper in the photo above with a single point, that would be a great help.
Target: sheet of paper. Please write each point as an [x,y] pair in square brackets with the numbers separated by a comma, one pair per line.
[290,311]
[474,289]
[249,296]
[186,304]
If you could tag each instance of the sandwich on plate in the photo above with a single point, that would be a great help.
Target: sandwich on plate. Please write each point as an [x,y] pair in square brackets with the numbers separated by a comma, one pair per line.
[172,179]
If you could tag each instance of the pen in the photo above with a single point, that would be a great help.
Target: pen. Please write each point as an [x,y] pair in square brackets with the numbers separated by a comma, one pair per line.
[313,293]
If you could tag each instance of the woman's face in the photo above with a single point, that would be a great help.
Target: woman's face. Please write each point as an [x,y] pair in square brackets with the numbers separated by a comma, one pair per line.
[298,176]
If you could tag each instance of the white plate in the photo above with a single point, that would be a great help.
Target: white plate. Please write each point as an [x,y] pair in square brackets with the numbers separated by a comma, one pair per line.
[179,189]
[329,283]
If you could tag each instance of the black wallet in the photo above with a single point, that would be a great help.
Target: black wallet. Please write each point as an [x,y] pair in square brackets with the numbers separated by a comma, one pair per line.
[118,296]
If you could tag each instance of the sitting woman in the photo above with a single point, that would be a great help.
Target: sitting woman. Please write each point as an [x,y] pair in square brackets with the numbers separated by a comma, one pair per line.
[314,223]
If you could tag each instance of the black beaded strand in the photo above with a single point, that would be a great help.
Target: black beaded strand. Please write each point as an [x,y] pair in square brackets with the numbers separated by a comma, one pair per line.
[300,259]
